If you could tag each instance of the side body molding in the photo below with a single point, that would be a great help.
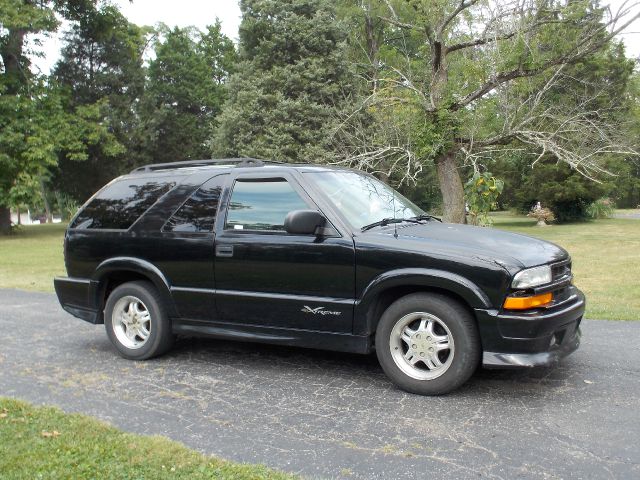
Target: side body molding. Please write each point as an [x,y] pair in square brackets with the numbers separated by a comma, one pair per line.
[130,264]
[364,316]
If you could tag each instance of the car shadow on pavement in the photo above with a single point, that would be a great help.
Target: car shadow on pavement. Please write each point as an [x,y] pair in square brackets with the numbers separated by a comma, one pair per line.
[359,370]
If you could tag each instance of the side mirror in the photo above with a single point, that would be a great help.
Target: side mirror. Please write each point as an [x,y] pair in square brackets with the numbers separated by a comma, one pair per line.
[305,222]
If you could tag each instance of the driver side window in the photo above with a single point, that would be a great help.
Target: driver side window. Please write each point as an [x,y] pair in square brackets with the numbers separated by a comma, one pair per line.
[262,204]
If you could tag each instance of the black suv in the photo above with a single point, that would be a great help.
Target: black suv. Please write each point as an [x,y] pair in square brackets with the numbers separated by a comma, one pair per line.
[313,256]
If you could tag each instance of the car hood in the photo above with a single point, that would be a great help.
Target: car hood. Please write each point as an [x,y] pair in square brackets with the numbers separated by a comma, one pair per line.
[506,248]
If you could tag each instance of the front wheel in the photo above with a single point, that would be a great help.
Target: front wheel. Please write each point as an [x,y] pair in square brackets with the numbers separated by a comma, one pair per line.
[428,343]
[136,321]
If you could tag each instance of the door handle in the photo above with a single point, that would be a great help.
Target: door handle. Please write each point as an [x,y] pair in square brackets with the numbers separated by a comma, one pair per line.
[224,250]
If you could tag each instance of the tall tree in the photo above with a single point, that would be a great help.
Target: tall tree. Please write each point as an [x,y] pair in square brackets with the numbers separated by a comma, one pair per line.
[31,124]
[102,67]
[446,69]
[185,91]
[290,82]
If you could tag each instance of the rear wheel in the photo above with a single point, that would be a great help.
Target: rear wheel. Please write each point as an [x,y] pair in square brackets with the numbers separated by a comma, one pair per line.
[136,321]
[428,343]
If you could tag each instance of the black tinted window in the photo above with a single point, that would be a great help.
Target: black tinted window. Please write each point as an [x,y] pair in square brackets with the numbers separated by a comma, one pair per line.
[262,205]
[121,204]
[198,213]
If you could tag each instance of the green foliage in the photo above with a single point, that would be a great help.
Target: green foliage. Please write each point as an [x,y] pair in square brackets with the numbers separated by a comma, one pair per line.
[185,92]
[625,187]
[601,208]
[34,129]
[472,78]
[434,135]
[424,192]
[285,94]
[102,76]
[25,191]
[482,192]
[607,80]
[19,18]
[160,114]
[99,114]
[33,126]
[66,205]
[556,186]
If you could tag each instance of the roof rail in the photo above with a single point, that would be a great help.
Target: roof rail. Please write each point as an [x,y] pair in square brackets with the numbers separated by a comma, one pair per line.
[236,162]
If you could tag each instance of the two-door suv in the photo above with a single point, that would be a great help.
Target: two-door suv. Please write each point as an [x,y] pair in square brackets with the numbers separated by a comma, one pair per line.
[313,256]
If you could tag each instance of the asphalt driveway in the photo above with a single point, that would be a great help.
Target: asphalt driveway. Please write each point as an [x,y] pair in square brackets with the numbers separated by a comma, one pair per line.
[327,415]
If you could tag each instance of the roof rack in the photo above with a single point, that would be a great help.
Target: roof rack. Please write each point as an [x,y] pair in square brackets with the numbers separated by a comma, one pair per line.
[236,162]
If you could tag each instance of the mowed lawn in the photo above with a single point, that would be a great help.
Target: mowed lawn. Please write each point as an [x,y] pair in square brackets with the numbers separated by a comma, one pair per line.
[45,443]
[32,257]
[606,259]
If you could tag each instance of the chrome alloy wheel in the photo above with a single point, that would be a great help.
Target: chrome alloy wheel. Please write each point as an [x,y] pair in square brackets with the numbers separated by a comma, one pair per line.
[422,346]
[131,322]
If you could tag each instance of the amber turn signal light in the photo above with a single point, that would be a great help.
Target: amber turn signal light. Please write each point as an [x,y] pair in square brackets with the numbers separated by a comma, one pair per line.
[524,303]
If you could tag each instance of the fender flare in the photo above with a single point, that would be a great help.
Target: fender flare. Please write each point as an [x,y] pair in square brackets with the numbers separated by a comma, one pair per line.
[131,264]
[473,295]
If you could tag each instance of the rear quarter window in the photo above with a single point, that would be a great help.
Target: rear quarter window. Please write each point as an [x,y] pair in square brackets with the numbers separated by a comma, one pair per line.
[120,204]
[198,213]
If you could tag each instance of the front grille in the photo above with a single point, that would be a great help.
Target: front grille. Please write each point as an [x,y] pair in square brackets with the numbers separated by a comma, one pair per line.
[561,276]
[561,270]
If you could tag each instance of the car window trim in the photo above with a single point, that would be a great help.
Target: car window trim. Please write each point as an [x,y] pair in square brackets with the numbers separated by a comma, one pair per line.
[252,177]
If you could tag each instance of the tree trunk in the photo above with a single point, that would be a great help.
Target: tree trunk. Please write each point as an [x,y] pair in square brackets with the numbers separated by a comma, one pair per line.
[451,188]
[439,74]
[5,220]
[373,48]
[448,175]
[19,222]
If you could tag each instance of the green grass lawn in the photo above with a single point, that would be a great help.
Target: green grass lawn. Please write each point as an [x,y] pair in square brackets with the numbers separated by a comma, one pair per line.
[32,257]
[46,443]
[606,259]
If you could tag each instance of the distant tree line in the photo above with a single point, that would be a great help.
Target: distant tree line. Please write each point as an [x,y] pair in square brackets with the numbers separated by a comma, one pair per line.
[424,94]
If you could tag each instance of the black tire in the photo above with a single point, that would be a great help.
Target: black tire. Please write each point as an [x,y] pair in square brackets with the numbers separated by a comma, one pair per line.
[160,338]
[462,327]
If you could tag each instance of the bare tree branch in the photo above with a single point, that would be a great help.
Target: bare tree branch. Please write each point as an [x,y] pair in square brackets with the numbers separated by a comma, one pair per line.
[587,45]
[579,136]
[463,5]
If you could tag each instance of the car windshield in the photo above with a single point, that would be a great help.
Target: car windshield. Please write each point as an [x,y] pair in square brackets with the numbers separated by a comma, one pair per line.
[363,199]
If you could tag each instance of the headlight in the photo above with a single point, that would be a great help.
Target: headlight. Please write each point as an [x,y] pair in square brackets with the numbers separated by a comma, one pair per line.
[532,277]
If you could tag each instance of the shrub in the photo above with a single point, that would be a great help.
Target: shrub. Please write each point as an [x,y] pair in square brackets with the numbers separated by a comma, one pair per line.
[567,193]
[601,208]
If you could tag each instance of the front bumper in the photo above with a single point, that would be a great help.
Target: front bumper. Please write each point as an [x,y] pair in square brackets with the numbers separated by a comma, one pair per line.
[536,338]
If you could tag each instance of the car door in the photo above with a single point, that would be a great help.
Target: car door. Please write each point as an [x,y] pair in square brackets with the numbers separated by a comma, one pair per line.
[267,277]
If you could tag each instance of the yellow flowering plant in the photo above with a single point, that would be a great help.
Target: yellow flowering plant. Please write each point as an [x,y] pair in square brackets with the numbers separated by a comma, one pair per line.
[482,192]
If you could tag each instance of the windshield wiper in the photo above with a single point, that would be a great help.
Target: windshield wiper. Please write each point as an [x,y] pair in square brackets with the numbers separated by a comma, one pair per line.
[426,216]
[387,221]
